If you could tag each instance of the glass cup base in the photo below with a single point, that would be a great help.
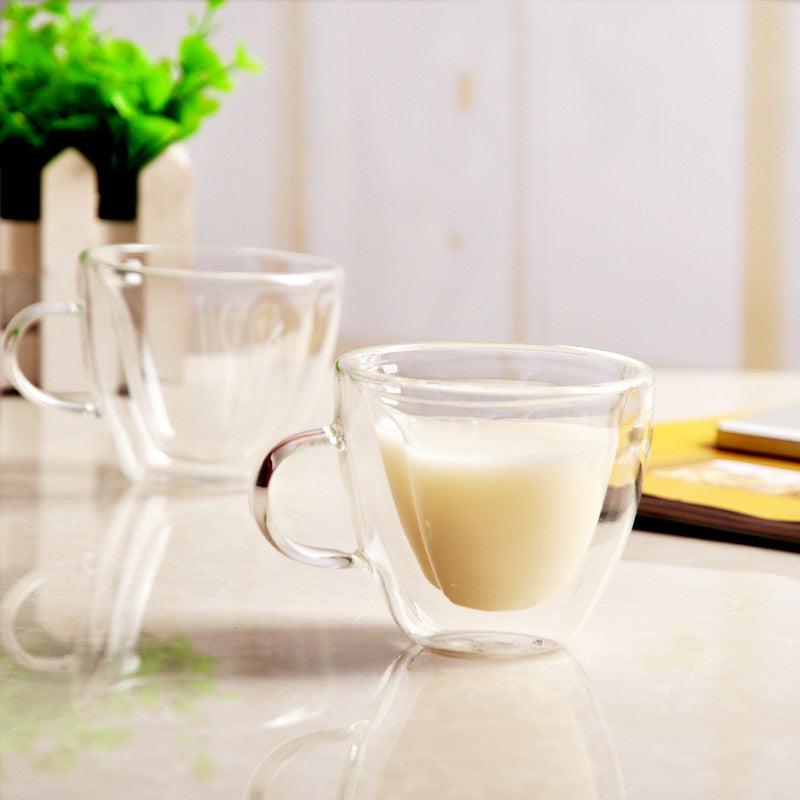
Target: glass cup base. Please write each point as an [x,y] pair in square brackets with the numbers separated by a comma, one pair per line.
[480,645]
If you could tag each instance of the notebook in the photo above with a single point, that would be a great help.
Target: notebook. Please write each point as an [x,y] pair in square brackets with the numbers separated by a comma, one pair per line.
[694,486]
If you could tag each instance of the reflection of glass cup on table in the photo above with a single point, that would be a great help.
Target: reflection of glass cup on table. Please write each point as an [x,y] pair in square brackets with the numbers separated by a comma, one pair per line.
[442,728]
[199,356]
[493,487]
[102,609]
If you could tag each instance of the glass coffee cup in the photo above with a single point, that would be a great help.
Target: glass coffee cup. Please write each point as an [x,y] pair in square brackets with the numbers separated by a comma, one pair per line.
[198,357]
[492,487]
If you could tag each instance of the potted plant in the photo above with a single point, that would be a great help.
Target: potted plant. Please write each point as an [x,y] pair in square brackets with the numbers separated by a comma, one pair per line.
[64,83]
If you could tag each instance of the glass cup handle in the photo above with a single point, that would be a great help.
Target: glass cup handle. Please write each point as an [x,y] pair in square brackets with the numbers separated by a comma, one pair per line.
[13,601]
[12,338]
[260,505]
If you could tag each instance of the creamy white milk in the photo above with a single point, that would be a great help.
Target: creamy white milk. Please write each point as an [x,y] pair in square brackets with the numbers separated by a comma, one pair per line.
[499,513]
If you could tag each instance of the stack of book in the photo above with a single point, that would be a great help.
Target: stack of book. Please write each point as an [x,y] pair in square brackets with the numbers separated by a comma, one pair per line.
[727,479]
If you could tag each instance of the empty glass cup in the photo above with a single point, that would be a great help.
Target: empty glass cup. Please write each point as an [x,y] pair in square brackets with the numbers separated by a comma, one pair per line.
[199,357]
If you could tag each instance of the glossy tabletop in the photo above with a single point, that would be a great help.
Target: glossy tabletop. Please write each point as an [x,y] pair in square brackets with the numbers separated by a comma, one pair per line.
[233,672]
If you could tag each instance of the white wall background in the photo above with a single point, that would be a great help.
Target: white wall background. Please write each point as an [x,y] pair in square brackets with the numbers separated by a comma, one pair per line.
[533,169]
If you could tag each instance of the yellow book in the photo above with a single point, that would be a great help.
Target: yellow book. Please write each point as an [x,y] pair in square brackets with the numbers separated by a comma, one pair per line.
[694,486]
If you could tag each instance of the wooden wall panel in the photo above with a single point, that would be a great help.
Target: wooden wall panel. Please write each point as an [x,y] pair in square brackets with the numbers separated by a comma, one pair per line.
[634,177]
[410,127]
[563,172]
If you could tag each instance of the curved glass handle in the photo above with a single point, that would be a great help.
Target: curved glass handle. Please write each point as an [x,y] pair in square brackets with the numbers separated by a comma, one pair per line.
[13,601]
[12,337]
[260,506]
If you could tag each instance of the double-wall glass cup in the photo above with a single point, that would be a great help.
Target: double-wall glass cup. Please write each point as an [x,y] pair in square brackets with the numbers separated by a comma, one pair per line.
[198,357]
[492,487]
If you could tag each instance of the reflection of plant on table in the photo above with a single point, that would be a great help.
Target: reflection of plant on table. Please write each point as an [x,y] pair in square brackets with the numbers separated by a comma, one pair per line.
[41,719]
[64,84]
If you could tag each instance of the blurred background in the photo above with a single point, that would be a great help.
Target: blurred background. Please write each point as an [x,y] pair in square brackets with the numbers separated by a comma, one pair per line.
[614,174]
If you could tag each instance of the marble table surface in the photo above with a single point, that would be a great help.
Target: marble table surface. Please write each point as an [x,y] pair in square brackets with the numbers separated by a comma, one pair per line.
[235,673]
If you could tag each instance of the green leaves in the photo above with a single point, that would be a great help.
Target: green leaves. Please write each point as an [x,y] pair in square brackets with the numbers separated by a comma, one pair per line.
[63,83]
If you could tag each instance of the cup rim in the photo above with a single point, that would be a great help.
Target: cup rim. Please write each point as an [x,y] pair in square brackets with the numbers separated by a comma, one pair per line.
[365,365]
[310,267]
